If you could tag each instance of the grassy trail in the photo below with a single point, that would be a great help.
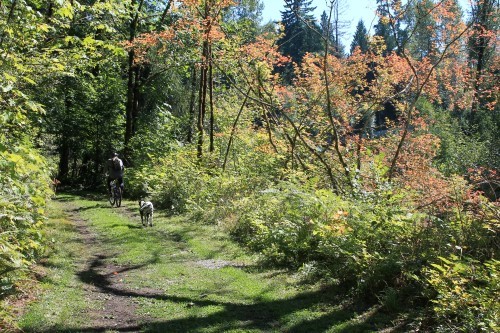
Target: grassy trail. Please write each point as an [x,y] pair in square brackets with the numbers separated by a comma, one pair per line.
[106,273]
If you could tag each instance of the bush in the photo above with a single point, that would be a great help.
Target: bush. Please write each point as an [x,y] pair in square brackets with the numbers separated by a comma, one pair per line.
[181,182]
[374,242]
[465,294]
[24,188]
[168,182]
[367,240]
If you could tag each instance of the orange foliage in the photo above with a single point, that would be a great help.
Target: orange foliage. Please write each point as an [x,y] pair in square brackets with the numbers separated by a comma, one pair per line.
[199,20]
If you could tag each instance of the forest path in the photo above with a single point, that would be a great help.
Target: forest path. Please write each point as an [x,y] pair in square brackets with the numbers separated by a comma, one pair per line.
[107,273]
[103,282]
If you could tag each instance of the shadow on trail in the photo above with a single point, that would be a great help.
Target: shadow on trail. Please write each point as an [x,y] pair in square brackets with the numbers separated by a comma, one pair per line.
[130,226]
[275,315]
[263,315]
[96,206]
[67,195]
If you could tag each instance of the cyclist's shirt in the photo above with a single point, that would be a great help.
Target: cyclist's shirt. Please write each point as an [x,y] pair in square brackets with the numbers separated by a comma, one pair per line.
[112,172]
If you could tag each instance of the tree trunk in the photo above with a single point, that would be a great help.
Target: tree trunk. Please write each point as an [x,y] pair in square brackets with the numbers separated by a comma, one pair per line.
[211,98]
[64,150]
[480,46]
[202,100]
[64,153]
[233,129]
[131,107]
[192,105]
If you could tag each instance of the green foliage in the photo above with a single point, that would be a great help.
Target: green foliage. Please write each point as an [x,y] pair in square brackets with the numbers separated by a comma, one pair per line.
[358,240]
[375,242]
[281,223]
[24,188]
[63,87]
[300,35]
[461,150]
[466,294]
[179,182]
[360,38]
[159,134]
[169,181]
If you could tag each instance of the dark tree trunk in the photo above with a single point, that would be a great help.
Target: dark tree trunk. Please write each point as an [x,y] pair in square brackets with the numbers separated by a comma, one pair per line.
[136,94]
[202,99]
[479,49]
[129,120]
[201,110]
[64,153]
[211,99]
[97,154]
[192,105]
[64,149]
[133,71]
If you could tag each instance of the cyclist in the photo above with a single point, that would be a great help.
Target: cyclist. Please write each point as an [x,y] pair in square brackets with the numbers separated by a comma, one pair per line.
[114,168]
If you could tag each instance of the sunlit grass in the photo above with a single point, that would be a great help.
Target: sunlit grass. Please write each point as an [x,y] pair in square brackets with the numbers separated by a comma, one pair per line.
[62,298]
[182,277]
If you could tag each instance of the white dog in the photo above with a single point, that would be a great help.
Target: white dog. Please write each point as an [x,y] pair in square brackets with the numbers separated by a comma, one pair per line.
[146,209]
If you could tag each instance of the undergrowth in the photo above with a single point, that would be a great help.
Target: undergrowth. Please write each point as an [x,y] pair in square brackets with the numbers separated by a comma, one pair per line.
[378,242]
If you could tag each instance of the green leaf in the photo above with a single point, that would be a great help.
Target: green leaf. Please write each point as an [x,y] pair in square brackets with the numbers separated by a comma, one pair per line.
[27,79]
[9,77]
[66,11]
[43,27]
[439,268]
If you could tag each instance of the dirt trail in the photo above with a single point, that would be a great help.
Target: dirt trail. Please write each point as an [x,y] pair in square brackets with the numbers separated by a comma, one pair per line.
[175,277]
[103,283]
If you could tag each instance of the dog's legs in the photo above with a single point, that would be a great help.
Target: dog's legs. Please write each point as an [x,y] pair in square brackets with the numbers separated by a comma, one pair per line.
[151,220]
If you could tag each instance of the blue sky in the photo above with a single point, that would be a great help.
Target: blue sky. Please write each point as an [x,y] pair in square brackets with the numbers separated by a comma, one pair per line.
[354,10]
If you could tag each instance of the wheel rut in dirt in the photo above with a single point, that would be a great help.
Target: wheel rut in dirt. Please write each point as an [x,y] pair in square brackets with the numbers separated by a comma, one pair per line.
[103,284]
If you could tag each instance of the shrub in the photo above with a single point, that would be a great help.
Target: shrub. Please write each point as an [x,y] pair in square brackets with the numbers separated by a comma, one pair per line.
[169,181]
[24,188]
[466,294]
[374,241]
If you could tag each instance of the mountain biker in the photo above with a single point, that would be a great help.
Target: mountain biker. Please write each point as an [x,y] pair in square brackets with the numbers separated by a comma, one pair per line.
[114,169]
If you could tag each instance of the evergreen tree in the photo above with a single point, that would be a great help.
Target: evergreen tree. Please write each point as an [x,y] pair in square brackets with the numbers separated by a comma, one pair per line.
[330,30]
[384,29]
[360,38]
[423,28]
[244,18]
[299,25]
[482,51]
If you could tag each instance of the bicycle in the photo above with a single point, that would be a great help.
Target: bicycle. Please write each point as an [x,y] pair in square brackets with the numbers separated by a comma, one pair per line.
[115,198]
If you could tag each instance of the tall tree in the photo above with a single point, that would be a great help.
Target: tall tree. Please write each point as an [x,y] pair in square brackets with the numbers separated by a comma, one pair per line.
[245,10]
[332,30]
[300,31]
[384,30]
[144,16]
[360,38]
[133,77]
[424,29]
[482,51]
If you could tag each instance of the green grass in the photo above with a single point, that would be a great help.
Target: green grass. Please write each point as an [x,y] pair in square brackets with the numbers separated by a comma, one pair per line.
[62,297]
[165,271]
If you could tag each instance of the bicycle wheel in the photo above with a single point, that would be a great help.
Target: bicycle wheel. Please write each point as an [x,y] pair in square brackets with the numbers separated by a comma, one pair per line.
[112,200]
[112,196]
[118,196]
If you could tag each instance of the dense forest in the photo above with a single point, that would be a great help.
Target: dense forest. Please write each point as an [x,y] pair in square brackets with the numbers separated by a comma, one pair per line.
[373,166]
